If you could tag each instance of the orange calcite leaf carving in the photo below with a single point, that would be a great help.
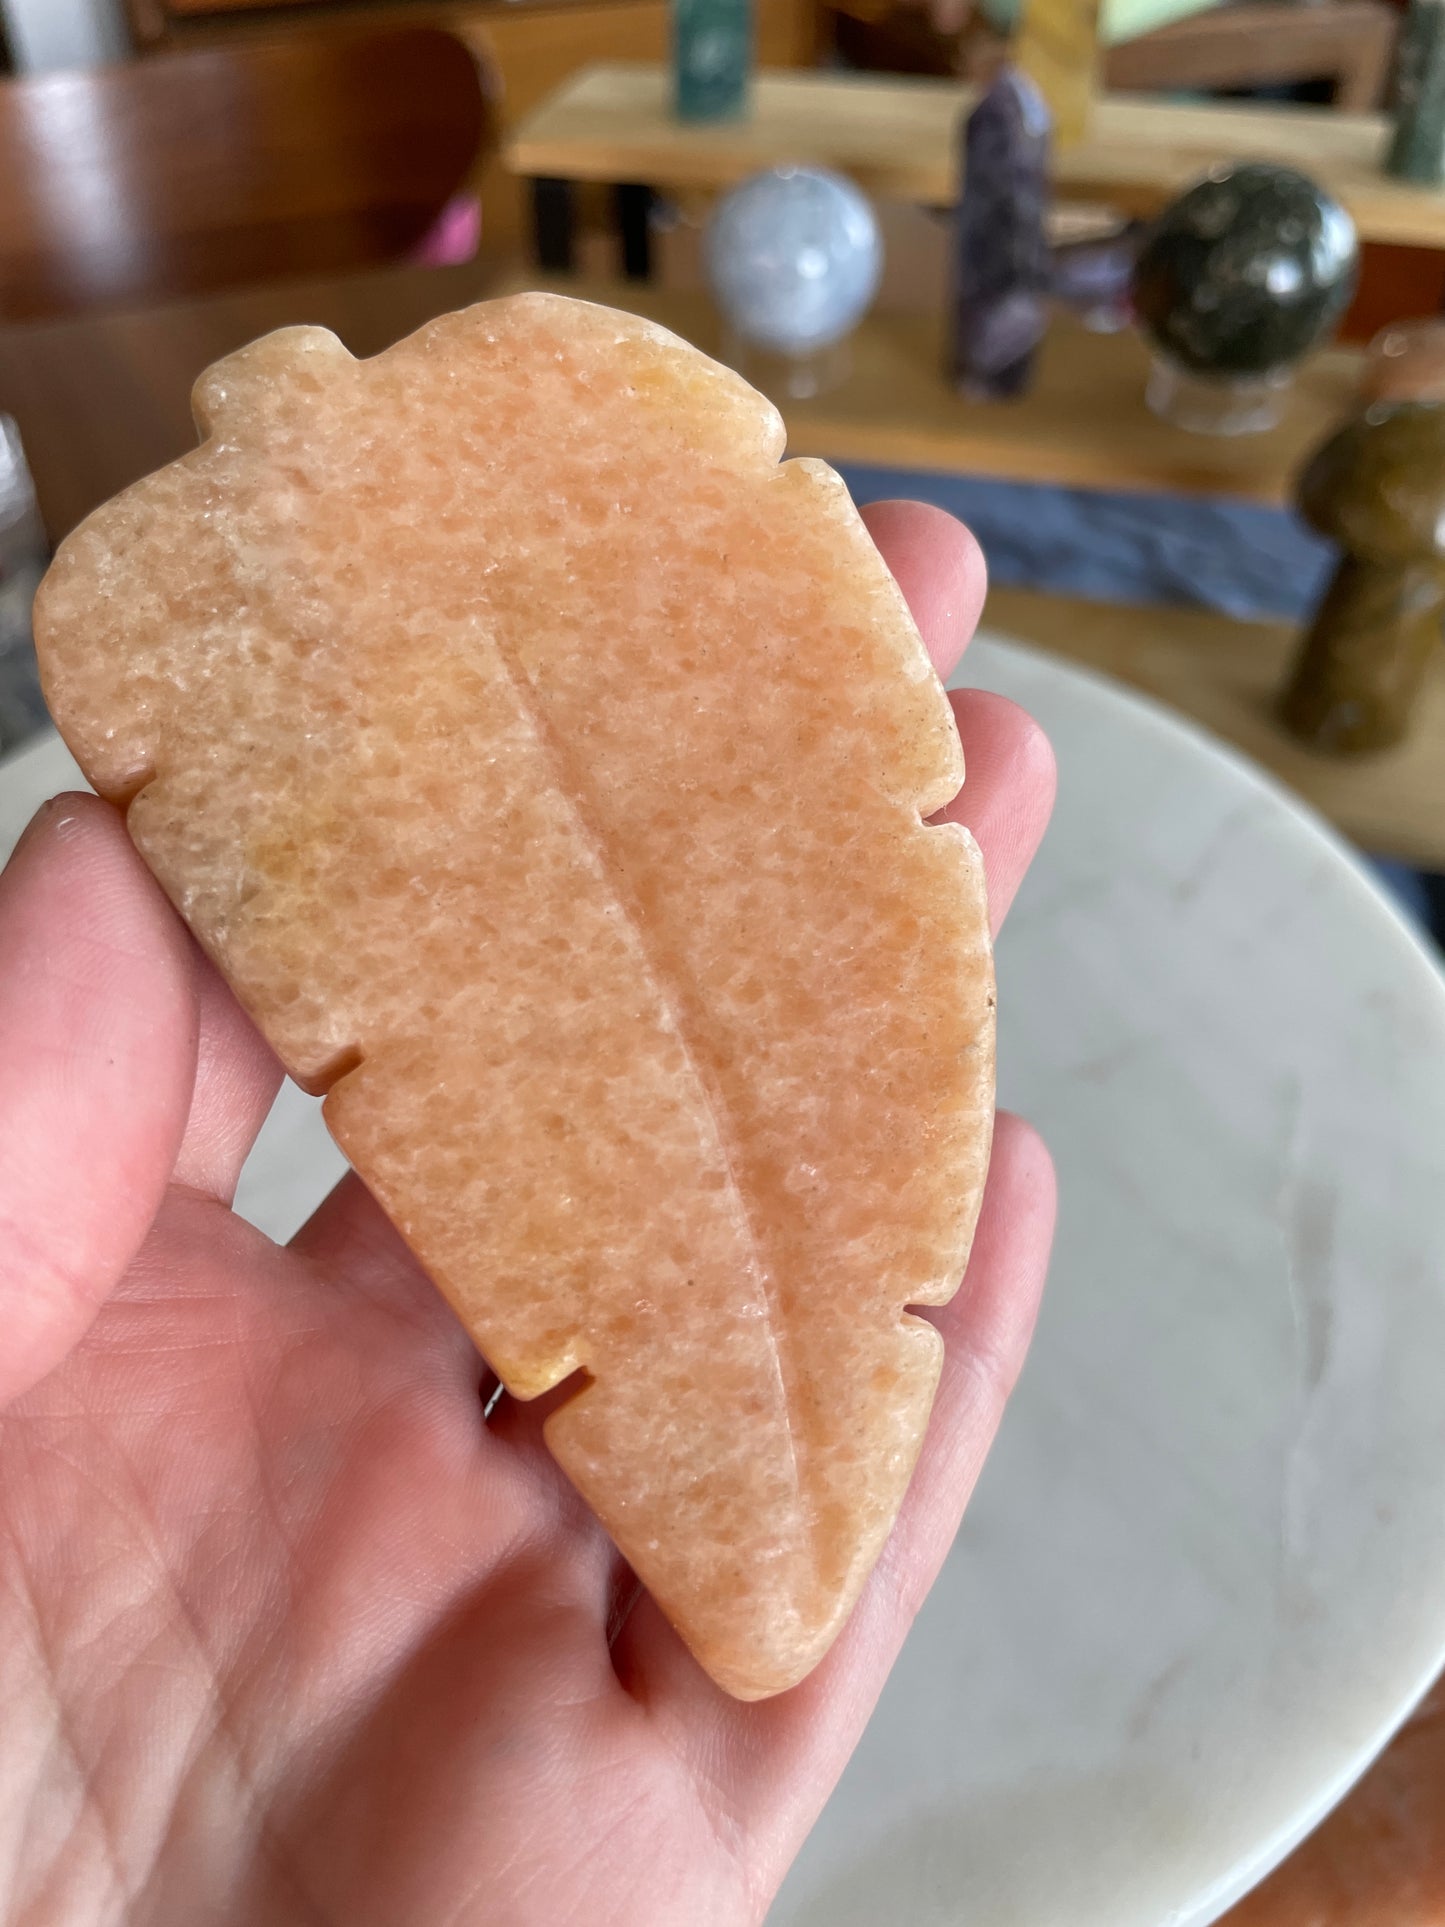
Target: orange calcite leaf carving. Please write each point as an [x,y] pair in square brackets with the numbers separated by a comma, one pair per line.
[543,763]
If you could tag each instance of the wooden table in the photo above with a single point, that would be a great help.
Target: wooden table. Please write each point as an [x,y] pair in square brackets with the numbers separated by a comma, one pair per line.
[899,138]
[1224,674]
[104,398]
[1082,424]
[101,401]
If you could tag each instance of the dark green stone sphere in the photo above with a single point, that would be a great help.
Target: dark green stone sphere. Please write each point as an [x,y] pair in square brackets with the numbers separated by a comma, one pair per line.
[1246,271]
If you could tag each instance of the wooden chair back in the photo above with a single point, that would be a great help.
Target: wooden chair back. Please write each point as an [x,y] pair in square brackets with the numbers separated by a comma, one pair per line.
[187,173]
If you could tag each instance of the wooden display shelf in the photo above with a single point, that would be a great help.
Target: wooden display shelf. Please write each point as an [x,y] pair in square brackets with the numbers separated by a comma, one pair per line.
[899,137]
[1226,674]
[1082,424]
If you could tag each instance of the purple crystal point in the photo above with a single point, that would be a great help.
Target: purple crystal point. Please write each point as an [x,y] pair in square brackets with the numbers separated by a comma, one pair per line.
[1001,253]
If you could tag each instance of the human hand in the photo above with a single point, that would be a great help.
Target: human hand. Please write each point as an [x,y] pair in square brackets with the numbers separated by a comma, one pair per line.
[286,1633]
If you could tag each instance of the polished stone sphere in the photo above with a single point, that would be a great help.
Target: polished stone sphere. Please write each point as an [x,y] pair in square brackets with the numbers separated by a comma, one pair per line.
[793,258]
[1245,272]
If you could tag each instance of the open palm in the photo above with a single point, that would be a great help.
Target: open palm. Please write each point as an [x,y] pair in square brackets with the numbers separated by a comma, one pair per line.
[287,1633]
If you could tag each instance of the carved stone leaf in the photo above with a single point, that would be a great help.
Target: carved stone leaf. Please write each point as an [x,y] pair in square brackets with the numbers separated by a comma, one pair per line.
[544,765]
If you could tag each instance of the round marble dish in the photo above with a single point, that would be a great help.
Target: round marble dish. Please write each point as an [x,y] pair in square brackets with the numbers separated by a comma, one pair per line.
[1204,1574]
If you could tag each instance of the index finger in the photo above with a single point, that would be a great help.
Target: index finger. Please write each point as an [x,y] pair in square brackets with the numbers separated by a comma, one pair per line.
[940,569]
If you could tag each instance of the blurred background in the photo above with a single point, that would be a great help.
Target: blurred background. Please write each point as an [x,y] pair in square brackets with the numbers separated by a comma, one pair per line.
[1147,293]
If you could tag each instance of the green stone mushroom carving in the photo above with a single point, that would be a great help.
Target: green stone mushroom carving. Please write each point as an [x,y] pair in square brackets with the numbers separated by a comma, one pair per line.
[1377,488]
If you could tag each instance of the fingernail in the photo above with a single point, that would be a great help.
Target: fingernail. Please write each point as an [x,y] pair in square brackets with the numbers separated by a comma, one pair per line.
[57,816]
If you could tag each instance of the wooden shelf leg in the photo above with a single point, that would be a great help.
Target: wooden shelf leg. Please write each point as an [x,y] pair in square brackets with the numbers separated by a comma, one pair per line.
[554,224]
[633,203]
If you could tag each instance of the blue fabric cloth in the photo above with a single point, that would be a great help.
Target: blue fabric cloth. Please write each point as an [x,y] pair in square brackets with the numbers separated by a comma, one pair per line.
[1407,887]
[1232,556]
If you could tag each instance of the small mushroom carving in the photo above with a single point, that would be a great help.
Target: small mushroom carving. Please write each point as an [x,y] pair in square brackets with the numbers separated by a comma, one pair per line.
[1377,488]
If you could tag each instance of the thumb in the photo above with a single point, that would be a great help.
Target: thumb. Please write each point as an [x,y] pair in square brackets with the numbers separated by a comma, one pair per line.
[97,1064]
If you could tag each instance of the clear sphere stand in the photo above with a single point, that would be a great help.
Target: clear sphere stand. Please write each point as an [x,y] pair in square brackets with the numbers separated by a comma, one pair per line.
[1237,405]
[788,377]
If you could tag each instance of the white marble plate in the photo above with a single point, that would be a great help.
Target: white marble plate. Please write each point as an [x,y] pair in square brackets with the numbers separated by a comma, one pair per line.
[1204,1574]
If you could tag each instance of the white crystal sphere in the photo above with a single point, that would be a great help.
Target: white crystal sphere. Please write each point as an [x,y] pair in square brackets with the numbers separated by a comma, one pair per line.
[793,256]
